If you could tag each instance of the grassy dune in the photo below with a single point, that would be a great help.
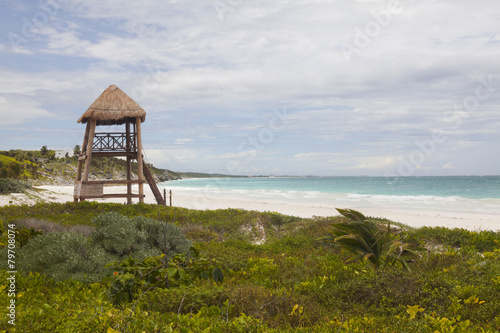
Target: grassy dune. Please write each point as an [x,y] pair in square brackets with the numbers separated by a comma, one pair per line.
[279,276]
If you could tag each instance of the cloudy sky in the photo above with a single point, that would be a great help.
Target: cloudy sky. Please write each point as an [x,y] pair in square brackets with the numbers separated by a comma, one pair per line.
[297,87]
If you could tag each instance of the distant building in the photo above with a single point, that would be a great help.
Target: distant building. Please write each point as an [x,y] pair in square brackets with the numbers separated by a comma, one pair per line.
[40,159]
[62,153]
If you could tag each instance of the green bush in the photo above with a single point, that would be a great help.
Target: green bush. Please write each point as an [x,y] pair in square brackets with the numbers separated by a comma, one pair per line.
[43,305]
[8,186]
[183,299]
[138,237]
[118,236]
[132,277]
[484,240]
[71,255]
[291,283]
[64,255]
[47,226]
[164,236]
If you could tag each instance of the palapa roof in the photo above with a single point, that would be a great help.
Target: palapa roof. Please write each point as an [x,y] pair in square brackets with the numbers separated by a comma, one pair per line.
[113,107]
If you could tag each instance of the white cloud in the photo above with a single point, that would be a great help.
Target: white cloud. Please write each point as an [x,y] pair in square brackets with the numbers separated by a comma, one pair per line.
[169,156]
[449,165]
[181,141]
[16,110]
[377,163]
[246,155]
[199,72]
[313,155]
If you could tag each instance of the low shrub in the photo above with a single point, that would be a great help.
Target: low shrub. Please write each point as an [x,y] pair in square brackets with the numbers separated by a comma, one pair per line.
[138,237]
[44,305]
[71,255]
[65,255]
[291,283]
[199,233]
[164,236]
[278,308]
[484,240]
[118,236]
[183,299]
[8,186]
[46,226]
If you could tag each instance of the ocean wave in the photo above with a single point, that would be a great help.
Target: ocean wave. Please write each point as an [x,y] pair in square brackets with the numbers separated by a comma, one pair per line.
[459,186]
[419,198]
[343,200]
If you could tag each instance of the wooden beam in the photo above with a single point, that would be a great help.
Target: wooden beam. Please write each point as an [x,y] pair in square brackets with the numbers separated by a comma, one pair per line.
[89,150]
[129,163]
[156,192]
[107,196]
[124,195]
[113,154]
[84,145]
[114,182]
[85,190]
[140,171]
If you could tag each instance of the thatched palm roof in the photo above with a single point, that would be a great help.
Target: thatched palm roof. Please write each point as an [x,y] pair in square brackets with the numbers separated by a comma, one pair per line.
[113,107]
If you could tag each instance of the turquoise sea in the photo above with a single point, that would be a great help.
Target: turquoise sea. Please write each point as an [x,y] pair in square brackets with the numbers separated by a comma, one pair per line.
[474,187]
[470,194]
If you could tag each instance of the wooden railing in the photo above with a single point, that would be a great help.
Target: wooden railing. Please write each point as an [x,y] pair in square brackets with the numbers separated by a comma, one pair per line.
[110,142]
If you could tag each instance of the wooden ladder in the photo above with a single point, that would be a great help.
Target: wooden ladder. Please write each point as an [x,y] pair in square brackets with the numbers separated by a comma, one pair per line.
[152,185]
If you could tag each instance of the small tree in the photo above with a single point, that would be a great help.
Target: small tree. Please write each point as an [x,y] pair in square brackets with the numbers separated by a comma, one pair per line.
[44,151]
[368,241]
[76,151]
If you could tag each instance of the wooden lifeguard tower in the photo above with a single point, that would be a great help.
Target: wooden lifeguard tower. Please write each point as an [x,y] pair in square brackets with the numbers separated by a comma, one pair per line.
[113,107]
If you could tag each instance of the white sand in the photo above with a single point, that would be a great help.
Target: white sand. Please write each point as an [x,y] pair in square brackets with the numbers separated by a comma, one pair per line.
[417,217]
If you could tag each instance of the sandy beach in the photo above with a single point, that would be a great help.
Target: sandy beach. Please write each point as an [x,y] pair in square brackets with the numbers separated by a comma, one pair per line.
[418,217]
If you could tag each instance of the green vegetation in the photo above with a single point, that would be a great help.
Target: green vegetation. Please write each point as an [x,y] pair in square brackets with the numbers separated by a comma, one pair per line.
[8,186]
[71,255]
[369,241]
[246,272]
[42,167]
[17,165]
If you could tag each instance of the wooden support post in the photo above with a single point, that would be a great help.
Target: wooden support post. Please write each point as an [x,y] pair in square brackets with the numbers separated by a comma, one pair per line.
[81,161]
[140,172]
[83,150]
[165,196]
[129,164]
[170,199]
[90,142]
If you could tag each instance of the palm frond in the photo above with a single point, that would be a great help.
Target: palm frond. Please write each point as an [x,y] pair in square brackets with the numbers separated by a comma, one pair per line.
[368,241]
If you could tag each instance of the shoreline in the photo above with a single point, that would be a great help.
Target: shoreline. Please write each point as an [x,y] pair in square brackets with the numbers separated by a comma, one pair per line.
[185,198]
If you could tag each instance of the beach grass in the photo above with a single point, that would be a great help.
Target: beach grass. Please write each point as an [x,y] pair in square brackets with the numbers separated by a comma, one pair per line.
[279,276]
[8,186]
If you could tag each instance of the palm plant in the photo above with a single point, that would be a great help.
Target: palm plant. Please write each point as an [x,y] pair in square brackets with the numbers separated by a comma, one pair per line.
[368,241]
